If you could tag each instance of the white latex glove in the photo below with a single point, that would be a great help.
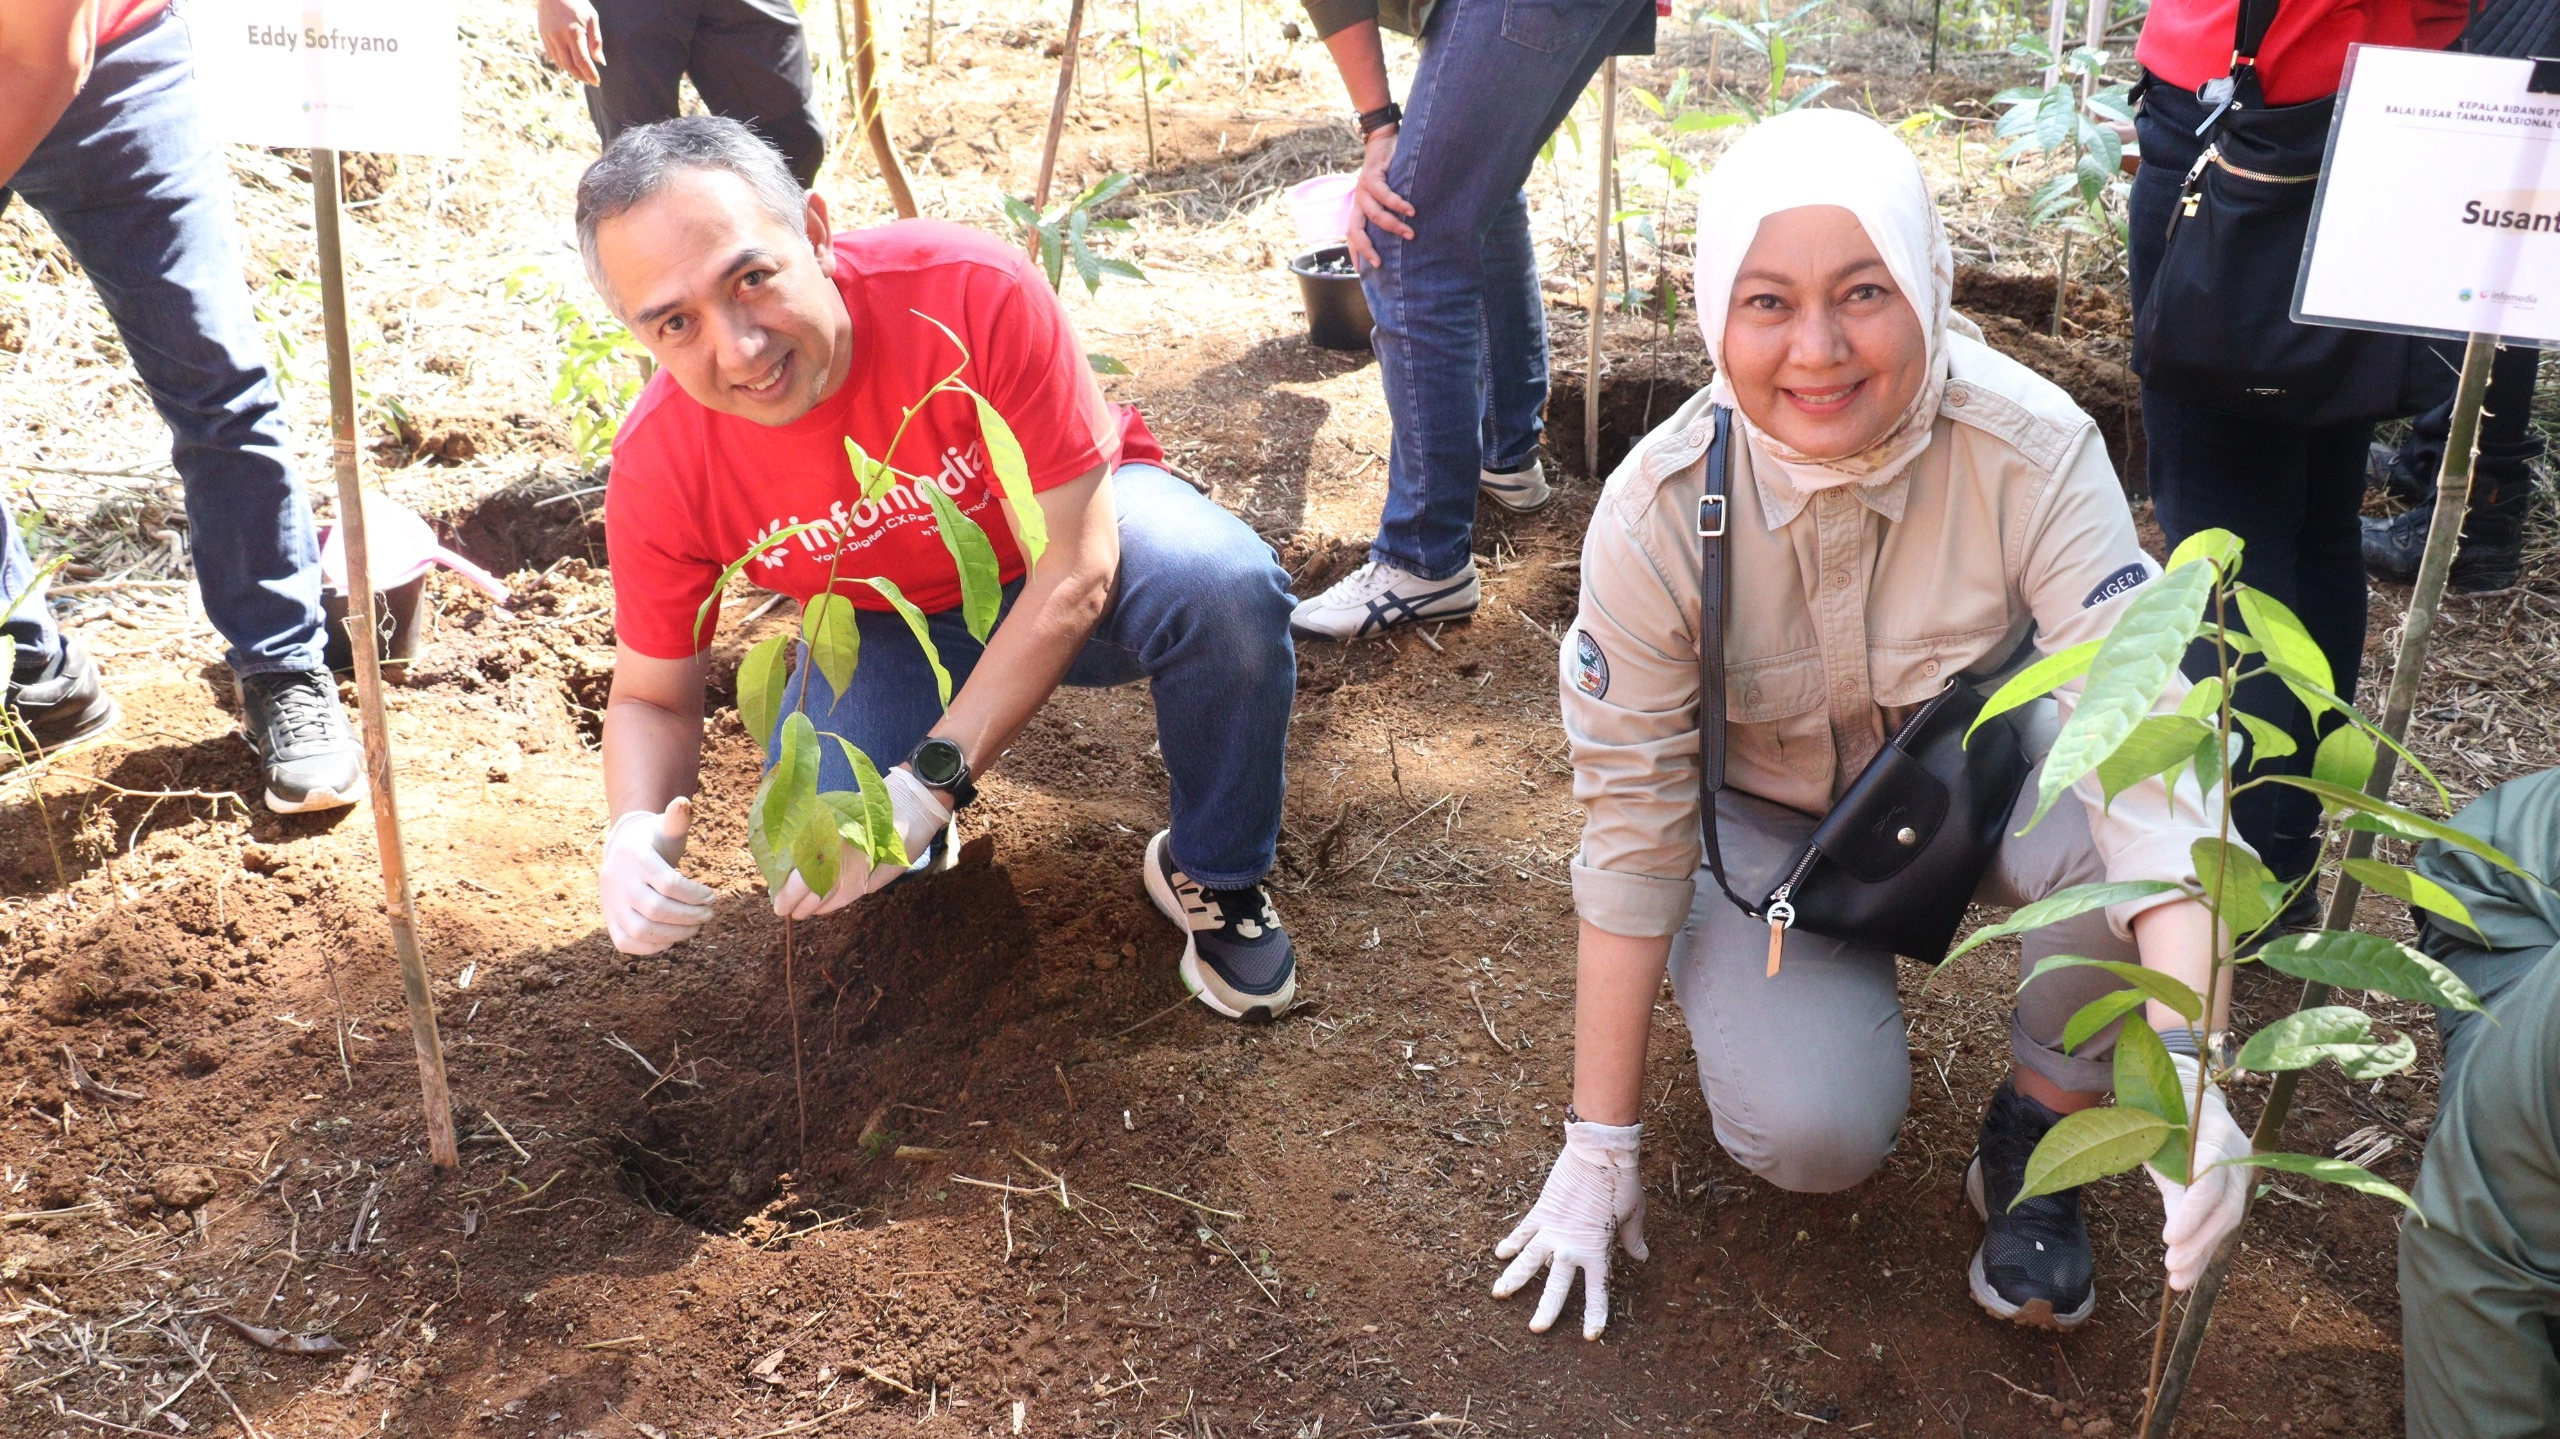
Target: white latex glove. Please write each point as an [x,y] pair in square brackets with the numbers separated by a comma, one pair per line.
[920,815]
[573,37]
[648,902]
[1592,1196]
[2202,1214]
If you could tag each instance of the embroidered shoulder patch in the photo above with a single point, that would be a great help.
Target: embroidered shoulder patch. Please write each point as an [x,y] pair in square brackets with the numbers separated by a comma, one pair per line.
[2123,581]
[1590,666]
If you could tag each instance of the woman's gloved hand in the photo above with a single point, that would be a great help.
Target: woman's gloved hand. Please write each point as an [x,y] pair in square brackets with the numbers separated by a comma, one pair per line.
[1593,1195]
[853,880]
[921,815]
[648,902]
[2203,1213]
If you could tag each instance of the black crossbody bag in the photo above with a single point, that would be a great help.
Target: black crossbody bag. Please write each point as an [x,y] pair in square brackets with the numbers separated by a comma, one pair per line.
[2215,326]
[1898,858]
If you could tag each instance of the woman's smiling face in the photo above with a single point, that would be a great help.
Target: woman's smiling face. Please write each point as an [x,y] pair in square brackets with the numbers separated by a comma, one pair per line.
[1822,349]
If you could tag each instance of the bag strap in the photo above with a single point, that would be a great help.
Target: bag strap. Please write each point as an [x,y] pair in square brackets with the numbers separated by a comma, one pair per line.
[1714,512]
[2250,24]
[2251,20]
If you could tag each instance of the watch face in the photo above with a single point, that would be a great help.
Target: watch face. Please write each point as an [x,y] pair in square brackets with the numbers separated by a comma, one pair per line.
[938,761]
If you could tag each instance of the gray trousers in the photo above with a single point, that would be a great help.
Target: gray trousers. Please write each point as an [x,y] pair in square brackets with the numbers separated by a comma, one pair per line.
[2480,1281]
[1808,1075]
[749,61]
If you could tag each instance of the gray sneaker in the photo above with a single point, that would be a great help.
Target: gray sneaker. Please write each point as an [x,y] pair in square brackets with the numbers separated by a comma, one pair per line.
[53,705]
[1519,491]
[1236,958]
[310,753]
[1378,597]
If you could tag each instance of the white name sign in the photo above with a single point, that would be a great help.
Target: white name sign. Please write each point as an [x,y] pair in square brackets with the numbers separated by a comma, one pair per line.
[380,75]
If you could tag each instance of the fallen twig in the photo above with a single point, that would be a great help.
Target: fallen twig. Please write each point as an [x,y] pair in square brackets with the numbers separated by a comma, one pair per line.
[1178,1199]
[1473,994]
[614,1343]
[364,1215]
[81,1081]
[1152,1018]
[280,1341]
[500,1125]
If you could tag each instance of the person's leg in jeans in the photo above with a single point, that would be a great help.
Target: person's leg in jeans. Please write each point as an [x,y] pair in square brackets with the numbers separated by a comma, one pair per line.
[1513,322]
[750,60]
[1492,80]
[647,44]
[29,628]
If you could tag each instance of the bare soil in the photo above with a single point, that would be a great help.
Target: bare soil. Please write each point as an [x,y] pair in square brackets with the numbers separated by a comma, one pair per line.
[962,1158]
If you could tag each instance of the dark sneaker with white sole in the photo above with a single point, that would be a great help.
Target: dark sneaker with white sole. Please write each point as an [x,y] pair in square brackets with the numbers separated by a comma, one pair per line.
[1519,491]
[1378,597]
[309,752]
[2033,1266]
[1236,959]
[55,704]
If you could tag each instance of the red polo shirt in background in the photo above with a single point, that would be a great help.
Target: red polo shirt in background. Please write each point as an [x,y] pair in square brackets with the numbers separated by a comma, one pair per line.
[693,489]
[2187,42]
[119,18]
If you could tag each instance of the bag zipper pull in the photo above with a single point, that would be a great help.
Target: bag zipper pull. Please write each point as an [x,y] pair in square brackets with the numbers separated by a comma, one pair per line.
[1782,917]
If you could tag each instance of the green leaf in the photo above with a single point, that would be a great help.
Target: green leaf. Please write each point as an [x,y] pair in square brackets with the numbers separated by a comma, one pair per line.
[2281,635]
[2345,758]
[981,593]
[2332,1171]
[2090,1144]
[835,638]
[2167,989]
[702,615]
[2314,695]
[1013,477]
[2204,699]
[2160,742]
[871,475]
[2307,1036]
[2146,1079]
[2383,817]
[2134,665]
[917,626]
[867,816]
[2413,887]
[1102,364]
[2098,1013]
[762,677]
[2347,960]
[2220,548]
[2236,886]
[2266,740]
[2077,900]
[2038,680]
[786,819]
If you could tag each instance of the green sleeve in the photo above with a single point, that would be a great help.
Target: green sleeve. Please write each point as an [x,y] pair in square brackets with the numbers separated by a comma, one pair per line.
[1332,15]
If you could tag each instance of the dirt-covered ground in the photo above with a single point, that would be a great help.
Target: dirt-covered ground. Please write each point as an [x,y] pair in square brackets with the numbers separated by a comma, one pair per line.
[1012,1182]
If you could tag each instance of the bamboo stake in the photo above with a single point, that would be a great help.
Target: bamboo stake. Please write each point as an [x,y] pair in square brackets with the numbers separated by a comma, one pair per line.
[1599,267]
[2055,22]
[377,728]
[1057,120]
[2444,534]
[860,55]
[1146,92]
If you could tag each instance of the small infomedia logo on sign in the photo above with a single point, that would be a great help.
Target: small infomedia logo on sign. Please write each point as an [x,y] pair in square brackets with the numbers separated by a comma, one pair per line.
[2463,294]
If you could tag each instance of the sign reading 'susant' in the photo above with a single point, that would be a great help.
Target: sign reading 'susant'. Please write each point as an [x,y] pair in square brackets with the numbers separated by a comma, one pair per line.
[380,75]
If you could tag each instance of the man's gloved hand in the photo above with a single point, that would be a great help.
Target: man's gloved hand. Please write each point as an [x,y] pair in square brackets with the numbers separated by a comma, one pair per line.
[1592,1196]
[2203,1213]
[921,815]
[648,902]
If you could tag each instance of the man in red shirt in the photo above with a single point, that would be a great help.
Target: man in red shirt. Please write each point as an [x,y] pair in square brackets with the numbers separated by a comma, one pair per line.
[778,342]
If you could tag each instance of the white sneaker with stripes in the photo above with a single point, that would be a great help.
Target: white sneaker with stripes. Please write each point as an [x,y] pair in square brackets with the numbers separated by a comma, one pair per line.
[1378,597]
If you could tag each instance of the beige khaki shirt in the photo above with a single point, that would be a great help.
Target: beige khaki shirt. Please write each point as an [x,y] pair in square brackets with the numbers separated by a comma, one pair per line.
[1849,606]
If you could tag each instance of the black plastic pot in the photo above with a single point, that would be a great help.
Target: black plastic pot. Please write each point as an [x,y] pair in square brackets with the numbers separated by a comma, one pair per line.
[1337,311]
[395,615]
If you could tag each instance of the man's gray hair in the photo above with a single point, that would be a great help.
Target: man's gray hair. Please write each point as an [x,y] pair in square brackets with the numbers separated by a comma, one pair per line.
[641,161]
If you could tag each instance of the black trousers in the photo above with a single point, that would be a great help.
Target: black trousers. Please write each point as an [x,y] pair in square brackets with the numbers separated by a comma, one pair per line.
[749,61]
[2291,493]
[2508,445]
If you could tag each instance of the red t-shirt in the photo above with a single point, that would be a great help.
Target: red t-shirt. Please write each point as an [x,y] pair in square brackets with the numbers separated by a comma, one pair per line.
[119,18]
[693,489]
[2187,42]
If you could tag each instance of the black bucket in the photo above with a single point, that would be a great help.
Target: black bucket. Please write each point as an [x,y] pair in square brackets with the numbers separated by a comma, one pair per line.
[395,616]
[1337,311]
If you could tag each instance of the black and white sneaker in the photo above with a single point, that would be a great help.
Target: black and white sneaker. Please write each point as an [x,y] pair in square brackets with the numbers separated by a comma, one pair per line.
[1379,597]
[2033,1266]
[1519,491]
[55,704]
[1236,959]
[310,753]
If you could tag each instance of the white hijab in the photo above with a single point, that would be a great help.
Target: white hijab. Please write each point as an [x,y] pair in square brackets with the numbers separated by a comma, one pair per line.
[1830,157]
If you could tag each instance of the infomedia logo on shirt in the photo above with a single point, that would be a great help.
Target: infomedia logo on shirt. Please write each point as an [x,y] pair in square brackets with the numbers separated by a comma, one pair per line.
[851,528]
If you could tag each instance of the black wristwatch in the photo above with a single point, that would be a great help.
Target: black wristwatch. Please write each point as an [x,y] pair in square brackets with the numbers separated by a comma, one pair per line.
[1373,121]
[941,765]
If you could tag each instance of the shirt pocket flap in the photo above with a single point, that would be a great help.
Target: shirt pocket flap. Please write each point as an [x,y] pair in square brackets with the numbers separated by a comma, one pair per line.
[1768,690]
[1906,672]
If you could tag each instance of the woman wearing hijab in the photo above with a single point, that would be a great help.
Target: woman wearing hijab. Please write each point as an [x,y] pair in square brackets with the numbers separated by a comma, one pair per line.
[1906,506]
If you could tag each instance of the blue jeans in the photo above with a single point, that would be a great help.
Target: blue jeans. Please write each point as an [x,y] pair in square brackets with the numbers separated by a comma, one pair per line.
[1461,333]
[1199,610]
[139,193]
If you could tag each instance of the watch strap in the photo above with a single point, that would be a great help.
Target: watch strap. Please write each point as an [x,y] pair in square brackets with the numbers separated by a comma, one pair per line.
[1372,121]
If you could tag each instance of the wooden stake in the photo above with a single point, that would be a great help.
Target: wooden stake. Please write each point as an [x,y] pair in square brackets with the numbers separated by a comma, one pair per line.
[2444,536]
[2054,26]
[1599,266]
[860,55]
[1057,117]
[367,641]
